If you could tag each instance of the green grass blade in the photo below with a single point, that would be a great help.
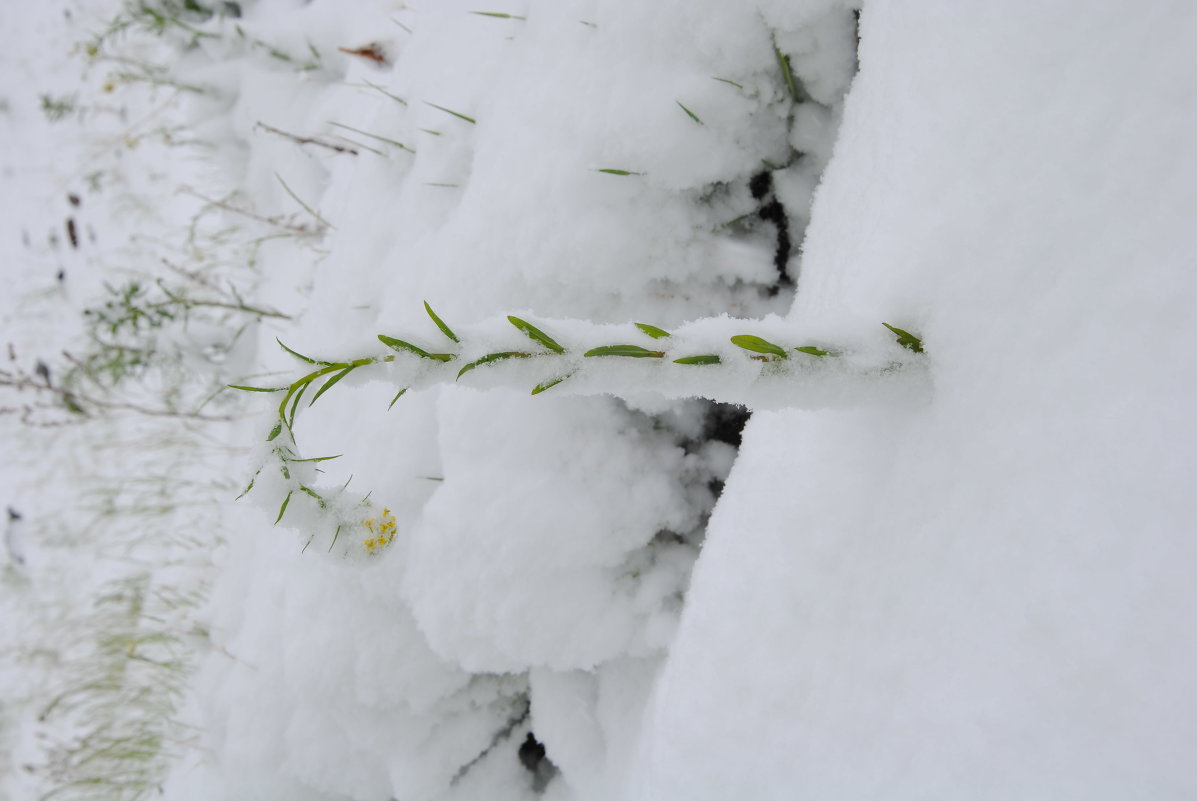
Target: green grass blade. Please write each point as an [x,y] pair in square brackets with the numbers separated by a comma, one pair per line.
[497,15]
[249,486]
[813,351]
[317,458]
[398,395]
[613,171]
[689,113]
[299,355]
[729,81]
[256,389]
[705,358]
[906,339]
[394,142]
[787,72]
[758,345]
[283,509]
[295,403]
[632,351]
[319,499]
[274,432]
[536,334]
[653,331]
[336,534]
[315,215]
[457,114]
[492,357]
[440,323]
[400,345]
[329,383]
[552,382]
[396,98]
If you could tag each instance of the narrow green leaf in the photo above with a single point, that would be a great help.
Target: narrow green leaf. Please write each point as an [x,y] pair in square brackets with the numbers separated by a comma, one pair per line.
[726,80]
[440,323]
[706,358]
[282,509]
[690,113]
[299,355]
[250,486]
[400,345]
[813,351]
[274,432]
[457,114]
[256,389]
[315,214]
[398,395]
[396,98]
[552,382]
[536,334]
[652,330]
[497,15]
[295,402]
[906,339]
[492,357]
[328,384]
[787,72]
[394,142]
[309,491]
[758,345]
[336,534]
[318,458]
[613,171]
[633,351]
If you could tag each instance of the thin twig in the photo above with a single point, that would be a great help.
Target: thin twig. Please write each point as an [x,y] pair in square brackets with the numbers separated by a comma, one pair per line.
[306,140]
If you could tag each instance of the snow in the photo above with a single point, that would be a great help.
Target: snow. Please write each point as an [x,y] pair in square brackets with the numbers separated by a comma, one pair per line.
[961,573]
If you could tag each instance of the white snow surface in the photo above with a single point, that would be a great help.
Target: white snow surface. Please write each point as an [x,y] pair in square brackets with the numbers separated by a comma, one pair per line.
[989,597]
[976,586]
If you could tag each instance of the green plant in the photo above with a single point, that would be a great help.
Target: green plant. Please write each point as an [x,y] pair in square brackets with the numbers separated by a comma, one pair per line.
[425,366]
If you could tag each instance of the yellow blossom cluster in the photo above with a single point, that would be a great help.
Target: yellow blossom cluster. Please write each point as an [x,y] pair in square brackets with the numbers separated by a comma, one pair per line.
[383,529]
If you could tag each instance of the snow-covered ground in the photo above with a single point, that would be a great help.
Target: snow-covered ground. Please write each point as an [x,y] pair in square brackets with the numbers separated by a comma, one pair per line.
[956,573]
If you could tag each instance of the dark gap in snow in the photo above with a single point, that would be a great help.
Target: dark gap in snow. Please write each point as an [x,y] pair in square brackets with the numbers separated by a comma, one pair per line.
[725,423]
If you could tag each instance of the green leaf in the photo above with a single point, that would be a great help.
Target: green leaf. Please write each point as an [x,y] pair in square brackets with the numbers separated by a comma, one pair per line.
[336,534]
[256,389]
[317,459]
[690,113]
[295,403]
[813,351]
[633,351]
[398,395]
[400,345]
[314,494]
[492,357]
[758,345]
[497,15]
[328,384]
[652,330]
[274,432]
[457,114]
[787,72]
[536,334]
[282,509]
[726,80]
[552,382]
[440,323]
[249,487]
[906,339]
[706,358]
[298,355]
[613,171]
